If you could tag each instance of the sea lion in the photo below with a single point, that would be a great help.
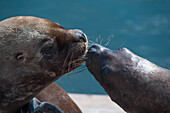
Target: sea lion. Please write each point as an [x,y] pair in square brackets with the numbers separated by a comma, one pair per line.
[34,52]
[56,95]
[134,83]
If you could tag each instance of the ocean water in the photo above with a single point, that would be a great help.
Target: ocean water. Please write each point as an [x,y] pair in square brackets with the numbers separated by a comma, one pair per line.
[143,26]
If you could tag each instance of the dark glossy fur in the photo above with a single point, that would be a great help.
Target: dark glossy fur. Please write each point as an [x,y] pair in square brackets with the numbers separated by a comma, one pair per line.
[134,83]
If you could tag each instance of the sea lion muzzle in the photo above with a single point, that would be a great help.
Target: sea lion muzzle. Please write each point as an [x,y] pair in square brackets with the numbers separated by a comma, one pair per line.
[80,35]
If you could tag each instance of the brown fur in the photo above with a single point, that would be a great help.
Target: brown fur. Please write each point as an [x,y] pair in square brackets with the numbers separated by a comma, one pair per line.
[34,52]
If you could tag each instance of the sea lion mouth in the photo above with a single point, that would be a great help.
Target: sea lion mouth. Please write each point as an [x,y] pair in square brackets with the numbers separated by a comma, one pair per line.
[76,57]
[77,52]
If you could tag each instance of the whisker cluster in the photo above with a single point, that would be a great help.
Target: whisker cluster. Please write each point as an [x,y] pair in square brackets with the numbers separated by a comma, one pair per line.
[73,63]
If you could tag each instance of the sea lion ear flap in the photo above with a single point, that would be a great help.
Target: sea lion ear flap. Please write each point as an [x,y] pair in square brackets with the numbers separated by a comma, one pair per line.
[19,56]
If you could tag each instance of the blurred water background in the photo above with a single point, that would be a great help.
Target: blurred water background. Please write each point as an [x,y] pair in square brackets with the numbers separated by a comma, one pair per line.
[143,26]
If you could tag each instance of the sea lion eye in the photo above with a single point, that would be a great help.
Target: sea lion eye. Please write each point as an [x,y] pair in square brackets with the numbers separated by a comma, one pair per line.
[106,70]
[48,51]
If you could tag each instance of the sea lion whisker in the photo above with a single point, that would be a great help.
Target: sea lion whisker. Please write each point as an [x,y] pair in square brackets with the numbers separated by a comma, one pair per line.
[108,40]
[84,63]
[79,59]
[74,61]
[77,63]
[79,68]
[90,44]
[63,67]
[69,62]
[96,40]
[89,40]
[100,41]
[123,43]
[68,77]
[61,81]
[91,37]
[78,71]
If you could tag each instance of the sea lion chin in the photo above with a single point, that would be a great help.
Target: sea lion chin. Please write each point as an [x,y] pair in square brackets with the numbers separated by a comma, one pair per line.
[34,53]
[134,83]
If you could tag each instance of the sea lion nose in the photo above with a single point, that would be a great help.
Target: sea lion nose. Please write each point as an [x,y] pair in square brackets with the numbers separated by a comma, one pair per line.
[97,48]
[94,47]
[79,34]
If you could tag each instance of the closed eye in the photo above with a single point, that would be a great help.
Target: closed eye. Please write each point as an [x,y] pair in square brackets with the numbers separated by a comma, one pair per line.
[48,51]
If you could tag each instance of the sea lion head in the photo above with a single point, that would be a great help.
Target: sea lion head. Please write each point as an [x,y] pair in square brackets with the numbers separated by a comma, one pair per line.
[104,63]
[34,53]
[42,44]
[134,83]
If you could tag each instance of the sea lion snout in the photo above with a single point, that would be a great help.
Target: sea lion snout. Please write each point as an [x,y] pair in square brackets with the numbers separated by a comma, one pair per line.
[102,54]
[80,35]
[98,60]
[96,48]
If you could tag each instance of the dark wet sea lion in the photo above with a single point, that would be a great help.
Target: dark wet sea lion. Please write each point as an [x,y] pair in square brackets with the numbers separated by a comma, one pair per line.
[134,83]
[34,52]
[57,96]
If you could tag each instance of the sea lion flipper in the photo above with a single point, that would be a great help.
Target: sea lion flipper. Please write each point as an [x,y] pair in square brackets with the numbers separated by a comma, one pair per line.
[28,108]
[35,106]
[46,107]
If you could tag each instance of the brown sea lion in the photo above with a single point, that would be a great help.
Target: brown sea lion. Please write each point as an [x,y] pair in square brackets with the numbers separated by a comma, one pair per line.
[34,52]
[57,96]
[134,83]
